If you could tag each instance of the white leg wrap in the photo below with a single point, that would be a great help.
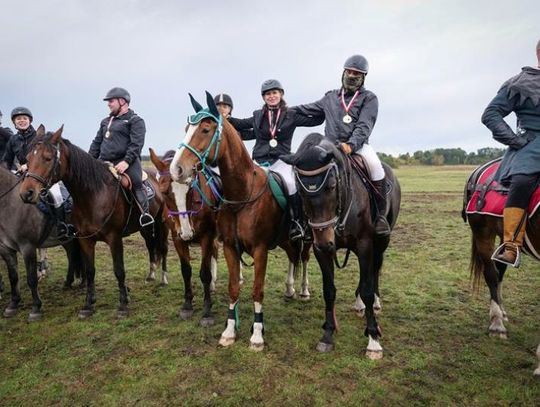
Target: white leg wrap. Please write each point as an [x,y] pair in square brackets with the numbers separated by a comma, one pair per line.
[496,317]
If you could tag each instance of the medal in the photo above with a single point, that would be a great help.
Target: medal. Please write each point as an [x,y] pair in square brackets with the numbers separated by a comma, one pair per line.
[273,143]
[347,118]
[108,134]
[273,129]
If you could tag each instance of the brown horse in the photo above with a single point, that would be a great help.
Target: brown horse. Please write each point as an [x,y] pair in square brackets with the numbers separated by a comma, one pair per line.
[101,210]
[249,220]
[485,230]
[195,224]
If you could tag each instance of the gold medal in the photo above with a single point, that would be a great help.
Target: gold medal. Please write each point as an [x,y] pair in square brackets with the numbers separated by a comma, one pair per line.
[347,119]
[273,143]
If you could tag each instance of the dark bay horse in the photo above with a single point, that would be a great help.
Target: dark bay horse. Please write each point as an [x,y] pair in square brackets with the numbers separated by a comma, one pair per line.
[337,204]
[485,230]
[249,220]
[23,229]
[101,211]
[194,223]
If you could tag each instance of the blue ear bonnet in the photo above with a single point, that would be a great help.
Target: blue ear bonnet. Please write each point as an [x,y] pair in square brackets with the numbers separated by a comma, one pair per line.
[203,114]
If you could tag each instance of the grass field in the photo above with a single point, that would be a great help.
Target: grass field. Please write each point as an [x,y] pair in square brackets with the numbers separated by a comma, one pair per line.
[437,350]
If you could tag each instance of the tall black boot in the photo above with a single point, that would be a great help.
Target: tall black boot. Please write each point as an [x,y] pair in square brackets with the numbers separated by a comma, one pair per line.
[382,228]
[145,219]
[64,229]
[296,230]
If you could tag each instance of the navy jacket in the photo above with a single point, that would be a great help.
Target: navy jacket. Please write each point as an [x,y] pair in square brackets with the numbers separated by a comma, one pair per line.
[17,147]
[125,141]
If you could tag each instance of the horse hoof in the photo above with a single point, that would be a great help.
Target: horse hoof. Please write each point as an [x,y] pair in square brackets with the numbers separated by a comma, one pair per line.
[149,279]
[305,297]
[224,342]
[85,313]
[256,347]
[35,316]
[186,314]
[10,312]
[360,313]
[207,322]
[324,347]
[498,334]
[376,311]
[374,354]
[122,313]
[290,296]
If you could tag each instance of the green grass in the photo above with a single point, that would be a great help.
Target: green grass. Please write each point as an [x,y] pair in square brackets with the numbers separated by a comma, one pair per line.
[436,347]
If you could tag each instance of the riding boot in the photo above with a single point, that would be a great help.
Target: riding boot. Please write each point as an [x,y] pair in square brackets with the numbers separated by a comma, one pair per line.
[64,229]
[382,228]
[514,223]
[296,230]
[145,219]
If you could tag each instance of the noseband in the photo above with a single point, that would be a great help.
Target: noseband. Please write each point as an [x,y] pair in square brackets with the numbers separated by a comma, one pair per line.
[47,182]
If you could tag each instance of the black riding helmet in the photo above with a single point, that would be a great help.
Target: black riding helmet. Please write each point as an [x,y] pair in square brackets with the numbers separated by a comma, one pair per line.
[357,63]
[224,99]
[118,93]
[19,111]
[271,84]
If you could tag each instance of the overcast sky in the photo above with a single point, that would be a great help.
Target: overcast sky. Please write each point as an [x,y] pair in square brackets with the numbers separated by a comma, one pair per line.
[434,65]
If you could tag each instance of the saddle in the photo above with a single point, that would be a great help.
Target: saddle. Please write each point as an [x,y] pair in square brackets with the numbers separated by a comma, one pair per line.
[361,169]
[125,181]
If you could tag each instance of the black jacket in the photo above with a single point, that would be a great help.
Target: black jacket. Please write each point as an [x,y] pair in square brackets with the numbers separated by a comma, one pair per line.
[363,112]
[257,128]
[17,147]
[5,135]
[125,141]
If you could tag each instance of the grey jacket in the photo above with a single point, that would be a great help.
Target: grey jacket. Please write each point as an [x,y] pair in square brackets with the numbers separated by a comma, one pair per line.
[125,141]
[363,113]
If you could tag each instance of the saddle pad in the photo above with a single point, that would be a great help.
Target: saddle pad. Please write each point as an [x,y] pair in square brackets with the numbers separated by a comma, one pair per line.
[494,199]
[278,188]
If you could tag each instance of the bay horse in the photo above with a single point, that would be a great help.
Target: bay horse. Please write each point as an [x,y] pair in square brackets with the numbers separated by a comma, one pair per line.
[485,229]
[101,210]
[23,229]
[249,219]
[195,223]
[338,207]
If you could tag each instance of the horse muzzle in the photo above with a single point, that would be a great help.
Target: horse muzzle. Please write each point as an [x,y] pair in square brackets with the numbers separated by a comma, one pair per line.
[29,196]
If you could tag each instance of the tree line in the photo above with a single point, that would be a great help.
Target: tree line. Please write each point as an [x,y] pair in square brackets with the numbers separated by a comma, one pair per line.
[443,156]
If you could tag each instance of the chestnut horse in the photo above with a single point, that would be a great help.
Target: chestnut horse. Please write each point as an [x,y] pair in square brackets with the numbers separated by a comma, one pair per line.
[249,219]
[337,203]
[101,210]
[485,230]
[195,224]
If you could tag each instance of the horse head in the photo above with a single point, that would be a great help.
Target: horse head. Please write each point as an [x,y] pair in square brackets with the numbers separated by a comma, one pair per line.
[317,166]
[201,143]
[45,166]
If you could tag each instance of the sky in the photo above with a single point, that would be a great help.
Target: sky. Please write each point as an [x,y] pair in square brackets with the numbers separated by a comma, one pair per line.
[434,65]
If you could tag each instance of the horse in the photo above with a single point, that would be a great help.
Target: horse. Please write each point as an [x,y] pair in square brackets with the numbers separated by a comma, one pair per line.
[249,219]
[102,210]
[338,207]
[200,228]
[485,229]
[24,229]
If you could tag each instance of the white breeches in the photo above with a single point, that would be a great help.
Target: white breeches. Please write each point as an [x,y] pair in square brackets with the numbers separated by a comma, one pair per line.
[372,160]
[56,195]
[286,171]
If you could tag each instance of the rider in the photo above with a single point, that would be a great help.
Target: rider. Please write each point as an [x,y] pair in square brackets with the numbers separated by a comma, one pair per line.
[17,150]
[5,135]
[520,167]
[120,139]
[273,127]
[224,104]
[350,113]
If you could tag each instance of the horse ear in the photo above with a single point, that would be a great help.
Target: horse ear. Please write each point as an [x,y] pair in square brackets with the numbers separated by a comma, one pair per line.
[195,104]
[57,136]
[40,131]
[211,104]
[155,160]
[288,158]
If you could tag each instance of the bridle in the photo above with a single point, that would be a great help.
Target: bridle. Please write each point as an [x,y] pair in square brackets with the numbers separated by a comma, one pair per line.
[54,171]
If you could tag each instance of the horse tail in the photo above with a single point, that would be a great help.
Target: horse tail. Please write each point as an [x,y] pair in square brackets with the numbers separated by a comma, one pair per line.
[477,266]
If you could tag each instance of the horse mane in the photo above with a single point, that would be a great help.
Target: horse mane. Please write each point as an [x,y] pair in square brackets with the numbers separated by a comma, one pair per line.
[84,170]
[308,155]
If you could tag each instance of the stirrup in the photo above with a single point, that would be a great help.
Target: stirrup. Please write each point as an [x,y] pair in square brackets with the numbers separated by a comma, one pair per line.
[146,219]
[65,230]
[380,231]
[296,232]
[499,250]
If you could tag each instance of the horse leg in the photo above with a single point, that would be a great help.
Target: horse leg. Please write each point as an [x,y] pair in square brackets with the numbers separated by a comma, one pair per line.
[289,283]
[228,336]
[326,263]
[88,250]
[377,264]
[151,245]
[117,252]
[213,267]
[260,258]
[305,294]
[367,293]
[43,264]
[162,247]
[537,371]
[182,248]
[30,261]
[205,274]
[10,257]
[501,269]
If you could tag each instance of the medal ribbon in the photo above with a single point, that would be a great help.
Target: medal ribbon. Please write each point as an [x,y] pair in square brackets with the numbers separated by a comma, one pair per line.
[273,128]
[107,133]
[348,106]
